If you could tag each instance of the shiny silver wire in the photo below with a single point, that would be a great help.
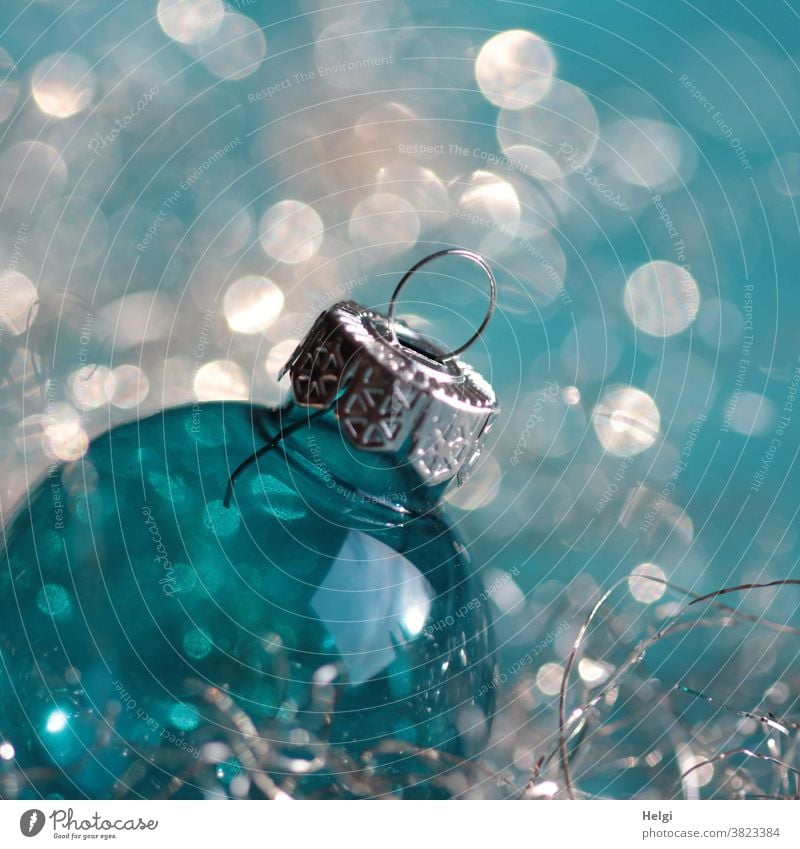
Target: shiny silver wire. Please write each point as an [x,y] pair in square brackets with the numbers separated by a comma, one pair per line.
[473,257]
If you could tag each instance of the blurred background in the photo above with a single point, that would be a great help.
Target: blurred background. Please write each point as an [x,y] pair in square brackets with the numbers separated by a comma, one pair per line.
[187,183]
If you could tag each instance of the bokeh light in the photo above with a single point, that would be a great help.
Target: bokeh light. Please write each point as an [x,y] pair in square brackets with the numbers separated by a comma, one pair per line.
[221,380]
[549,677]
[384,220]
[91,386]
[9,85]
[785,173]
[63,436]
[626,421]
[252,304]
[647,583]
[63,85]
[17,302]
[34,174]
[190,21]
[662,298]
[563,123]
[291,232]
[646,153]
[279,355]
[514,69]
[235,50]
[130,386]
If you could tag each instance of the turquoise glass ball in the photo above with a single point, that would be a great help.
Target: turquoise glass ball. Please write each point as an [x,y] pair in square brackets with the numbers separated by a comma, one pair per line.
[156,642]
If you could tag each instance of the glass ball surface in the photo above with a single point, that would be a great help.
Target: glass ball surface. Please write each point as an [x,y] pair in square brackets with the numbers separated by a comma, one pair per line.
[157,643]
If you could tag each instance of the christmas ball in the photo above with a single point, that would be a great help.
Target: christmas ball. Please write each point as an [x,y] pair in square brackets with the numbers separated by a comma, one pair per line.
[157,641]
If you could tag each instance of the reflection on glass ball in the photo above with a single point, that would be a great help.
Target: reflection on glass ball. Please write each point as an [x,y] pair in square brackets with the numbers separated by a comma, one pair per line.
[64,437]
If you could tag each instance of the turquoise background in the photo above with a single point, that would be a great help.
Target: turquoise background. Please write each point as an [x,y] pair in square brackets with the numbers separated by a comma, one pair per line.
[727,178]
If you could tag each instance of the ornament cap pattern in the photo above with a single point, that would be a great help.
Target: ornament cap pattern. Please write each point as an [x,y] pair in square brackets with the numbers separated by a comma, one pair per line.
[393,391]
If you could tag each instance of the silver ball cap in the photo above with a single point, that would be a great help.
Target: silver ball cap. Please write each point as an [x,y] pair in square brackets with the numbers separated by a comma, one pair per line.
[393,390]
